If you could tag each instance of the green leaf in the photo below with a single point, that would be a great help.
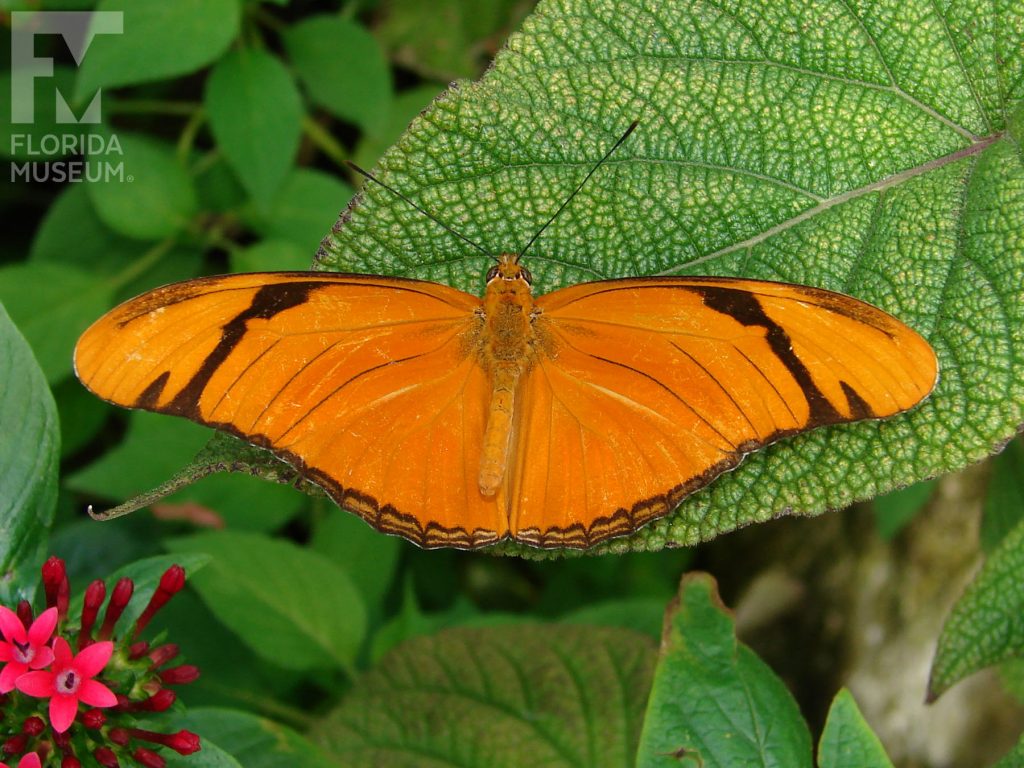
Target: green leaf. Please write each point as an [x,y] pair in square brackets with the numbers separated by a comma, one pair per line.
[290,605]
[643,614]
[446,39]
[44,139]
[255,742]
[368,558]
[713,700]
[502,696]
[82,415]
[1004,502]
[52,305]
[72,234]
[894,510]
[152,198]
[145,574]
[342,67]
[868,155]
[154,448]
[986,625]
[211,755]
[269,256]
[29,452]
[848,741]
[160,40]
[256,117]
[303,210]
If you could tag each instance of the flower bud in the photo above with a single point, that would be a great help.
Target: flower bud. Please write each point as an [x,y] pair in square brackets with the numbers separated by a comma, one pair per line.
[115,607]
[106,757]
[180,675]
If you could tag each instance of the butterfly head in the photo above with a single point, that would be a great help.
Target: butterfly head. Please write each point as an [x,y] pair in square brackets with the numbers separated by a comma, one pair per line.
[509,269]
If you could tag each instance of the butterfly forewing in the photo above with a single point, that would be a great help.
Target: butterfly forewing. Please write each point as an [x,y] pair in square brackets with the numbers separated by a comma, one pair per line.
[653,387]
[370,386]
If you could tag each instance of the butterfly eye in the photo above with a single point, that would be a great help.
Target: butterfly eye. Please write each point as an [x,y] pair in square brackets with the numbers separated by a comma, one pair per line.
[492,273]
[527,276]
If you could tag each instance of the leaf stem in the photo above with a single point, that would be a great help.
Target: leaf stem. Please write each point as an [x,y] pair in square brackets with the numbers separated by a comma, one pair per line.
[324,141]
[187,139]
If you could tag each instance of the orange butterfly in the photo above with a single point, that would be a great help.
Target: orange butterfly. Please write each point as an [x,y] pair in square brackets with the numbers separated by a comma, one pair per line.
[557,421]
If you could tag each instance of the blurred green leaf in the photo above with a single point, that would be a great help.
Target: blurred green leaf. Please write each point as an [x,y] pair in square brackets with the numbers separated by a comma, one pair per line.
[303,210]
[405,107]
[1004,502]
[342,67]
[290,605]
[643,614]
[211,756]
[255,114]
[160,40]
[53,304]
[271,256]
[255,742]
[503,696]
[369,559]
[29,452]
[448,39]
[152,199]
[894,510]
[72,234]
[232,674]
[82,415]
[871,158]
[153,448]
[713,700]
[986,625]
[243,502]
[44,139]
[848,741]
[218,187]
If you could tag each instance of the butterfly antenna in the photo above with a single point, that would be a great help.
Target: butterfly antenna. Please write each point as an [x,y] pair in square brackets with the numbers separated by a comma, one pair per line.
[426,213]
[598,164]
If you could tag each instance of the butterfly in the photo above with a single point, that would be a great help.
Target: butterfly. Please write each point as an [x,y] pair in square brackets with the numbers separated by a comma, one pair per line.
[556,421]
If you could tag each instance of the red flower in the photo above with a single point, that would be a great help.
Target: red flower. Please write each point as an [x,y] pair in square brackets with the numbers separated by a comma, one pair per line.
[24,650]
[31,760]
[70,681]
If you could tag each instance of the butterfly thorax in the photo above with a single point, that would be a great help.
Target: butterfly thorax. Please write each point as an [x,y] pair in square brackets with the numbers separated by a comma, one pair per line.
[506,349]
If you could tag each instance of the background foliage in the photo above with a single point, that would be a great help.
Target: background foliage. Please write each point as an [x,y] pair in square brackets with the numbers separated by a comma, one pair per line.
[875,152]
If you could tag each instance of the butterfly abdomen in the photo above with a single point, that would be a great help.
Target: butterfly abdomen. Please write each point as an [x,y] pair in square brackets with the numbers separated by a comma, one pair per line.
[506,349]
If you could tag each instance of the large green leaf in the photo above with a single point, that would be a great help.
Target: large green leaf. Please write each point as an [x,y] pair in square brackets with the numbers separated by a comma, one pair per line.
[29,450]
[861,148]
[501,696]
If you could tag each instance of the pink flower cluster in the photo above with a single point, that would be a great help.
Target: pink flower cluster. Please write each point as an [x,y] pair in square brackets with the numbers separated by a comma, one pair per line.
[39,663]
